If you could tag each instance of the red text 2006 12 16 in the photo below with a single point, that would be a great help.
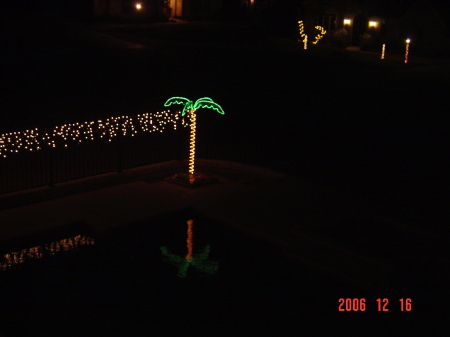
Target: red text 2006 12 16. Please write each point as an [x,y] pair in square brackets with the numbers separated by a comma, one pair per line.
[381,304]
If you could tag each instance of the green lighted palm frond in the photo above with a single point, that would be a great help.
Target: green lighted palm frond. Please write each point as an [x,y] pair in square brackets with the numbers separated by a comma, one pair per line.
[208,103]
[177,100]
[204,102]
[205,99]
[180,100]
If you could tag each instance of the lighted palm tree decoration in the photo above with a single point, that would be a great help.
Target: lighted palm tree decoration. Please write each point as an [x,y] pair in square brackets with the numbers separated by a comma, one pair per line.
[190,108]
[199,261]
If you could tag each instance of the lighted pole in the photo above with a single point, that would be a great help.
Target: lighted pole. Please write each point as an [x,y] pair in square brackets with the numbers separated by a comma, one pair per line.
[302,34]
[407,50]
[192,141]
[138,7]
[190,108]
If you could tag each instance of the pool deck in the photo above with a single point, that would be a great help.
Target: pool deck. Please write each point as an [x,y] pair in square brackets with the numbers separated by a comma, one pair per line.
[296,216]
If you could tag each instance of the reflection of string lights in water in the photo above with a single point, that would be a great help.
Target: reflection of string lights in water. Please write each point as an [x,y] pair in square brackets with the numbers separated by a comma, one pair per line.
[199,261]
[18,257]
[33,140]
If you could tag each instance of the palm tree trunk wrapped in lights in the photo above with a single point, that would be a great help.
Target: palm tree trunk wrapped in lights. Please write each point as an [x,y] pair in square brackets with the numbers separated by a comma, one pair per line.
[192,142]
[193,178]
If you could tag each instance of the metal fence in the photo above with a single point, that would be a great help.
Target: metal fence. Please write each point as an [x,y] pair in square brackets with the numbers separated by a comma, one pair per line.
[52,165]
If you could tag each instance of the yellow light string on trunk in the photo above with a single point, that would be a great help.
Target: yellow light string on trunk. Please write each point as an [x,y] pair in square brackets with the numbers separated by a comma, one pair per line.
[192,143]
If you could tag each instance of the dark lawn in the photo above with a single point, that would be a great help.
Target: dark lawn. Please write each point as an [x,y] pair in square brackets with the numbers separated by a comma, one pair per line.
[338,118]
[377,129]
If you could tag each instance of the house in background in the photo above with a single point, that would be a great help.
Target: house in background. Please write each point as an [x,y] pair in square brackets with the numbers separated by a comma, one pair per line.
[155,9]
[370,23]
[127,9]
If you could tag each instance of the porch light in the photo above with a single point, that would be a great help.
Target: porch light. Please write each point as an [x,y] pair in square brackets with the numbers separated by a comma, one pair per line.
[138,6]
[347,21]
[373,24]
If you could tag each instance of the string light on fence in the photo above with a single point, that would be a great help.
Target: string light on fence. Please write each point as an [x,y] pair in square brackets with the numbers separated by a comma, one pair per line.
[63,135]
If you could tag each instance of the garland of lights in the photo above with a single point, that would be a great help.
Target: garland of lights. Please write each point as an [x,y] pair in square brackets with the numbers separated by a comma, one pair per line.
[200,261]
[190,108]
[18,257]
[322,32]
[63,135]
[301,28]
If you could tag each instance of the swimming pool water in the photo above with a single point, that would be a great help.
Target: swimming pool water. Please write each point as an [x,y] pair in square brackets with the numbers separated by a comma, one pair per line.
[123,286]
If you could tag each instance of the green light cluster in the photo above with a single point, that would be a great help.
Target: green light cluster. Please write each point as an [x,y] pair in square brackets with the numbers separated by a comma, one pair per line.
[204,102]
[199,261]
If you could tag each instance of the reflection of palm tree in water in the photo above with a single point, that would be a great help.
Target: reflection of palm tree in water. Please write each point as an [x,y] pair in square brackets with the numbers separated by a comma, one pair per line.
[199,261]
[189,240]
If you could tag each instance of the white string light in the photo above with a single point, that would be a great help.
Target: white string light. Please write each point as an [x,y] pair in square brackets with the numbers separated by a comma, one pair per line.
[66,134]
